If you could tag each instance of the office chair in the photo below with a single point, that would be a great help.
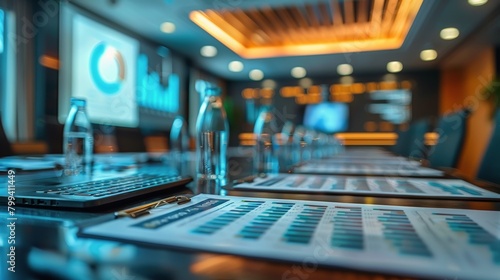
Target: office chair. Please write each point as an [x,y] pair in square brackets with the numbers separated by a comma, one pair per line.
[451,129]
[129,140]
[417,148]
[490,165]
[402,142]
[5,147]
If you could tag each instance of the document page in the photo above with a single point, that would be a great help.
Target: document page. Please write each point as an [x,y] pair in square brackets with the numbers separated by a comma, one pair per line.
[380,186]
[397,168]
[418,242]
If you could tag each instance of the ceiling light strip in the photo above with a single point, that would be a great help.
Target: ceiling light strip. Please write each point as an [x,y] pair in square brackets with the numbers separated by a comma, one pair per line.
[316,49]
[204,22]
[275,31]
[227,26]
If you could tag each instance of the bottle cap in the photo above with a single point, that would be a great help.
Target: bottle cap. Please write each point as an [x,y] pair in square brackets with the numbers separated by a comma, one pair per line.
[212,91]
[78,101]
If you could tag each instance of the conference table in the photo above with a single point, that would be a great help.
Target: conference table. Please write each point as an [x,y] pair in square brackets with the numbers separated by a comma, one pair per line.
[49,246]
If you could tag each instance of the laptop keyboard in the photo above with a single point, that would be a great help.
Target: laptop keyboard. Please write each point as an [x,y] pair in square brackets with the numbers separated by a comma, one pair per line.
[113,186]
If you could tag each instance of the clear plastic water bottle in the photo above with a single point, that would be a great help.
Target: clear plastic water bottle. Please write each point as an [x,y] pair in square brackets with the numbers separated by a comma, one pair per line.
[265,130]
[212,129]
[78,140]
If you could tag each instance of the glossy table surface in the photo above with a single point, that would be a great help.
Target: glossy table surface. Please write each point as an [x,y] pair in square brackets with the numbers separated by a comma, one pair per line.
[48,247]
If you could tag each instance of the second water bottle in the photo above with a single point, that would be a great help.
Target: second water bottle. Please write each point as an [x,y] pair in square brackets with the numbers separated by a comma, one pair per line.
[78,140]
[212,131]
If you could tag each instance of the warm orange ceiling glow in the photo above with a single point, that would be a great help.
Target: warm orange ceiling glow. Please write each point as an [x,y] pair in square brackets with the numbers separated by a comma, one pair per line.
[309,29]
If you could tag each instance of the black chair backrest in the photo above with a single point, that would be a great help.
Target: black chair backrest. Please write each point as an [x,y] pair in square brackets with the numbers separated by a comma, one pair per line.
[451,129]
[490,165]
[402,143]
[5,146]
[417,148]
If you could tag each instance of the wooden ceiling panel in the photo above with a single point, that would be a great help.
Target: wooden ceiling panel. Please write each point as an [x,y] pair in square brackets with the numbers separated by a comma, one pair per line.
[349,12]
[338,19]
[325,16]
[362,11]
[323,27]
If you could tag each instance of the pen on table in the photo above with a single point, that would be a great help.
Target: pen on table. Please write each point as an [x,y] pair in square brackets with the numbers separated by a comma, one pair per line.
[141,210]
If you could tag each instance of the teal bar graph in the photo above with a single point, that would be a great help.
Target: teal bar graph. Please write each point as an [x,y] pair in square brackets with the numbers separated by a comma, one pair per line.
[151,94]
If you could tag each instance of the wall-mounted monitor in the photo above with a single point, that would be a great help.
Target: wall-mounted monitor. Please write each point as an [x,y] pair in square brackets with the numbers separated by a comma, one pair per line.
[328,117]
[126,80]
[98,63]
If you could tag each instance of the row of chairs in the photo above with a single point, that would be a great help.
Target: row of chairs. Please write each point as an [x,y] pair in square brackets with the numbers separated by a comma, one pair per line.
[451,129]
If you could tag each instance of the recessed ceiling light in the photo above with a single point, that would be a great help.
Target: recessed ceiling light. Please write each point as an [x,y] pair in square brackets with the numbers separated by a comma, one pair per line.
[256,75]
[344,69]
[449,33]
[428,55]
[267,83]
[298,72]
[208,51]
[394,66]
[477,2]
[235,66]
[305,82]
[167,27]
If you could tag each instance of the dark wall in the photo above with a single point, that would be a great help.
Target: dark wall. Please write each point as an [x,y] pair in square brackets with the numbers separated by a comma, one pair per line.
[46,79]
[425,89]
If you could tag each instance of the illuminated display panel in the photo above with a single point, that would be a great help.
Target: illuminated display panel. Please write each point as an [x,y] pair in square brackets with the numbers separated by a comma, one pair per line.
[127,82]
[327,117]
[104,72]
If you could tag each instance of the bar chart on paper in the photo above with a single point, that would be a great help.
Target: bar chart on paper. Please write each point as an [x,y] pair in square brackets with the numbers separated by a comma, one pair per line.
[377,186]
[421,242]
[369,168]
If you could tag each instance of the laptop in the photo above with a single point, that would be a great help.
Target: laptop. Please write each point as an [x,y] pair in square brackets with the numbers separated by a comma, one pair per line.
[90,191]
